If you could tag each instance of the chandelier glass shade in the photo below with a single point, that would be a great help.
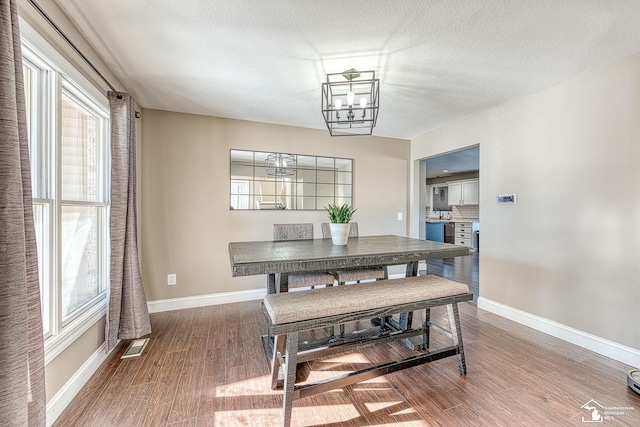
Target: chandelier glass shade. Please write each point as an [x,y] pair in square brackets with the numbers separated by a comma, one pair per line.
[279,164]
[350,102]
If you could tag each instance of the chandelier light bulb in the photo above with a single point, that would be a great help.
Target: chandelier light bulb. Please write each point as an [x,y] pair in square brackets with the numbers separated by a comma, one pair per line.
[363,102]
[338,104]
[350,98]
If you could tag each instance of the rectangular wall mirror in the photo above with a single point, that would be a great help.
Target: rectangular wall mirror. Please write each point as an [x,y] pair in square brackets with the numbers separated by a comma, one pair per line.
[262,180]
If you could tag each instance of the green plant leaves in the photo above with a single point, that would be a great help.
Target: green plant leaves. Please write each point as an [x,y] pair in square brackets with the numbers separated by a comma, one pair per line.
[340,214]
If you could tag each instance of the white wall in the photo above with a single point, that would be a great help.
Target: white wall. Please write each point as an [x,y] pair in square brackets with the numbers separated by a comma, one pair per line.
[568,251]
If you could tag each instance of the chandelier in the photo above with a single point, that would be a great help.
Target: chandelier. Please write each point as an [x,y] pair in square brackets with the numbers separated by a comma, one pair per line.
[279,164]
[350,102]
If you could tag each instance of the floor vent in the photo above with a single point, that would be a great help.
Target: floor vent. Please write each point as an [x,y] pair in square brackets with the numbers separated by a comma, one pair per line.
[135,348]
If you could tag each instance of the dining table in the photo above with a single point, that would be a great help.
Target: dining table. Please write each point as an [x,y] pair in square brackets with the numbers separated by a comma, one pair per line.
[278,259]
[320,255]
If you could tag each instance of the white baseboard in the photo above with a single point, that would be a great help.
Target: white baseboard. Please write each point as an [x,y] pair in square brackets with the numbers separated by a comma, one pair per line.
[158,306]
[205,300]
[599,345]
[65,395]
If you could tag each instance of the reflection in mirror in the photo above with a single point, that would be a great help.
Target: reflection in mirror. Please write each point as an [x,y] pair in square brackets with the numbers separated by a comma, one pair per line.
[261,180]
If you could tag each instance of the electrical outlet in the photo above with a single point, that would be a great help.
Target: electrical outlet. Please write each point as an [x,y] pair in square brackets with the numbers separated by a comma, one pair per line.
[399,216]
[171,279]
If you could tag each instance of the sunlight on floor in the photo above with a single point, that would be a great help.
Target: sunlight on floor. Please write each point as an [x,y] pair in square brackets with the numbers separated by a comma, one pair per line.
[376,406]
[250,387]
[374,384]
[301,416]
[250,417]
[364,402]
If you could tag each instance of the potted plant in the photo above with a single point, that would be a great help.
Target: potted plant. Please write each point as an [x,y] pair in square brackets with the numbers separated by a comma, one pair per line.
[339,218]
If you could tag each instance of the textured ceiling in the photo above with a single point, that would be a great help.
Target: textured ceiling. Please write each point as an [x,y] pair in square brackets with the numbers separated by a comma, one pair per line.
[438,61]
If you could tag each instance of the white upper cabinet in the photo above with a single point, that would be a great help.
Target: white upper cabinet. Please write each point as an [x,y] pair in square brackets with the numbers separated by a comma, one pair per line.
[455,193]
[464,192]
[471,192]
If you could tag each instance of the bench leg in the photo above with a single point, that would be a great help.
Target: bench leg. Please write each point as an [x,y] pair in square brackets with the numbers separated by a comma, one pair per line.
[426,329]
[278,350]
[456,332]
[290,377]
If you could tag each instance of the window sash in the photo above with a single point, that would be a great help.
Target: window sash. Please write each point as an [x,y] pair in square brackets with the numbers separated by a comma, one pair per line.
[42,215]
[80,270]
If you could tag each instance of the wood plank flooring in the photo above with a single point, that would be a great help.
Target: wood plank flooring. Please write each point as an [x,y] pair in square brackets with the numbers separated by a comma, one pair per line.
[464,269]
[206,367]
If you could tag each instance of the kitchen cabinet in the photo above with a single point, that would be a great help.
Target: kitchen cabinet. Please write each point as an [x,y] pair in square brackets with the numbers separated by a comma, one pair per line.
[464,192]
[435,231]
[463,233]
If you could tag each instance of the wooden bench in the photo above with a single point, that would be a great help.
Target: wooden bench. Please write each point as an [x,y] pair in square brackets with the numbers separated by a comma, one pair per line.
[293,312]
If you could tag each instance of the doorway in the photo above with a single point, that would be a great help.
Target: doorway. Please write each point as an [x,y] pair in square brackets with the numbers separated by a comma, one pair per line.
[459,168]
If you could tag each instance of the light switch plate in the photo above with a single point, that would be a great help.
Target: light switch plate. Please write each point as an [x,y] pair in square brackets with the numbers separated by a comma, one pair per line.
[506,199]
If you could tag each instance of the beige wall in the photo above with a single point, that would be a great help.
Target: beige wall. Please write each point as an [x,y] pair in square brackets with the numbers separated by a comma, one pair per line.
[569,249]
[185,217]
[62,368]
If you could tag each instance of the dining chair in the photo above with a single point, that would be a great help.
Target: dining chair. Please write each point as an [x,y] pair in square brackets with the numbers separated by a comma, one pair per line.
[353,275]
[301,232]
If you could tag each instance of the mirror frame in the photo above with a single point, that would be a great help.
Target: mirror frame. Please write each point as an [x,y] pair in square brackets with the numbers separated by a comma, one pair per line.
[261,180]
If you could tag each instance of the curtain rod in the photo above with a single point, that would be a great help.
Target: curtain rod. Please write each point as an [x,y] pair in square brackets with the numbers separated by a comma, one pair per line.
[73,46]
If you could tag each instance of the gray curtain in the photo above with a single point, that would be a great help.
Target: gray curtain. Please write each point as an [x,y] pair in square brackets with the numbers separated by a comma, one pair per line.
[128,316]
[22,391]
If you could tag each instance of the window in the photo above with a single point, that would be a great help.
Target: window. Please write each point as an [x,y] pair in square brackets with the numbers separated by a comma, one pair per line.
[240,194]
[68,125]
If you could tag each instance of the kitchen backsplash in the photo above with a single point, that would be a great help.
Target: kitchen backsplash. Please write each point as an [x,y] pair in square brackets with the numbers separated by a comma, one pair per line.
[464,212]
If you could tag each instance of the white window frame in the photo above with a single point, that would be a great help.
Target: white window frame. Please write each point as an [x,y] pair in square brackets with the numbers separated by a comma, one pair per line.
[58,75]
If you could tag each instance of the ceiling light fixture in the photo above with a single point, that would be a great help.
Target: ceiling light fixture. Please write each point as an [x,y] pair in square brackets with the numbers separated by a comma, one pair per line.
[279,164]
[341,113]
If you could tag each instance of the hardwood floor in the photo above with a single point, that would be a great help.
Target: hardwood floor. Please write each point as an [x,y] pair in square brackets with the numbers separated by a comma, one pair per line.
[464,269]
[206,367]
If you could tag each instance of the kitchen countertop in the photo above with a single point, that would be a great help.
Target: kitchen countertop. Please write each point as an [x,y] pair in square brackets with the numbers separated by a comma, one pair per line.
[431,219]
